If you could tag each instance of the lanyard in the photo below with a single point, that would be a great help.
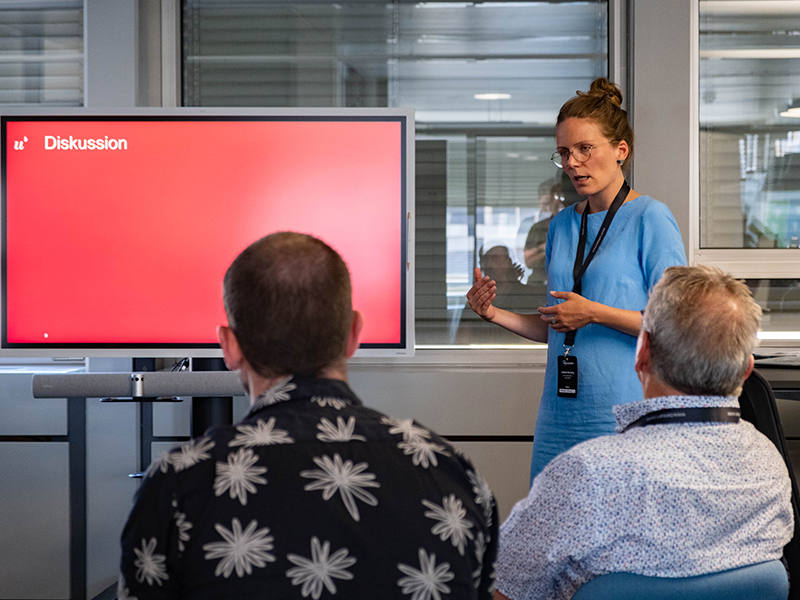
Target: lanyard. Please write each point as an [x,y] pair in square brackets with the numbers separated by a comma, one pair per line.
[580,264]
[688,415]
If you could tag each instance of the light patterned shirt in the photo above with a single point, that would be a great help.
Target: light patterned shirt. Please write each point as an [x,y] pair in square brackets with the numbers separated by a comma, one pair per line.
[666,500]
[312,495]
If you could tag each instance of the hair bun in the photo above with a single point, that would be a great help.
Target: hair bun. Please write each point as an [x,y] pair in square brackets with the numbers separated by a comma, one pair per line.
[603,88]
[601,104]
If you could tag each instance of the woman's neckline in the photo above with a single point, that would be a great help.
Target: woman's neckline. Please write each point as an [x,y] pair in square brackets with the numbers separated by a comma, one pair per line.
[603,212]
[632,195]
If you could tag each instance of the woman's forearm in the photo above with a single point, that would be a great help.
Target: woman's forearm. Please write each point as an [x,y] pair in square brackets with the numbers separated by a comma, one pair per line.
[626,321]
[576,312]
[528,326]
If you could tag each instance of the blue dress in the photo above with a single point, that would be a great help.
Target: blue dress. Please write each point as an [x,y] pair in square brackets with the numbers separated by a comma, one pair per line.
[641,243]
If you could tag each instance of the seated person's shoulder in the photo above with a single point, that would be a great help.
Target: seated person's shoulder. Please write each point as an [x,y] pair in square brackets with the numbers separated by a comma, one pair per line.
[606,460]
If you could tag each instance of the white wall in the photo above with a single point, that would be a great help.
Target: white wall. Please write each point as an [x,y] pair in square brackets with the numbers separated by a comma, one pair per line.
[664,97]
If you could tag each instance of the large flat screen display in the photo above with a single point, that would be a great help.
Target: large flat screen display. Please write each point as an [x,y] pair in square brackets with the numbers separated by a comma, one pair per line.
[117,229]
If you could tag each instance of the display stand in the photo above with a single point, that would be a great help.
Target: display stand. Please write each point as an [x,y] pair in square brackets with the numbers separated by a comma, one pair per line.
[212,388]
[210,411]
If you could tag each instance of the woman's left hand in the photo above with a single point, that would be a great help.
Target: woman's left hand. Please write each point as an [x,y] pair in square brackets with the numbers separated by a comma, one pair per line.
[575,312]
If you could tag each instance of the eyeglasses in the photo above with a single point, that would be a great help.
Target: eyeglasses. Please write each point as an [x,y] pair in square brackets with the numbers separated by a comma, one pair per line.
[581,152]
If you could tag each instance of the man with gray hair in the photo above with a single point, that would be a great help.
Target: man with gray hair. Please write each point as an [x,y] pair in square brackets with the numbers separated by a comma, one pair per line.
[685,488]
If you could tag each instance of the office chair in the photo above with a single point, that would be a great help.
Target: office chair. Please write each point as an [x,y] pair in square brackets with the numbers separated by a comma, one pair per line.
[759,407]
[764,581]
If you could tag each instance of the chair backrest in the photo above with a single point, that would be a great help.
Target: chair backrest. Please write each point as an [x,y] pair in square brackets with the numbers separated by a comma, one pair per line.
[764,581]
[759,407]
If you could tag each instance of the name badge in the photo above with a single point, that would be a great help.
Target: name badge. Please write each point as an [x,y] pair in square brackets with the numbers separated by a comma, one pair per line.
[567,377]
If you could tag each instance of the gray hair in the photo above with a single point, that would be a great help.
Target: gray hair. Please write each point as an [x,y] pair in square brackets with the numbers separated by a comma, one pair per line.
[702,325]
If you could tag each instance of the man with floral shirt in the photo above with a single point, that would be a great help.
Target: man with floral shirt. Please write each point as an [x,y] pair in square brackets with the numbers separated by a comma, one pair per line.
[312,494]
[685,487]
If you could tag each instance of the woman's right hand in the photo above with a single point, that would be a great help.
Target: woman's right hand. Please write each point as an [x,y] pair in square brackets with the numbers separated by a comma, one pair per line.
[481,295]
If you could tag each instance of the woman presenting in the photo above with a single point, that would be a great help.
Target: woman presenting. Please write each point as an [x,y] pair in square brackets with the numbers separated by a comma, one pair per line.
[593,313]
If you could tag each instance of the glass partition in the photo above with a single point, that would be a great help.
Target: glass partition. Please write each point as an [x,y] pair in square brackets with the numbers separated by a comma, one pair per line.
[486,80]
[749,125]
[41,52]
[749,104]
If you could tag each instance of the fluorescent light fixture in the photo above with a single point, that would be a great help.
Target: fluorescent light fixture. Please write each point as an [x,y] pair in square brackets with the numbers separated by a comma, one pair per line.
[443,4]
[505,4]
[753,53]
[753,7]
[492,96]
[793,110]
[779,335]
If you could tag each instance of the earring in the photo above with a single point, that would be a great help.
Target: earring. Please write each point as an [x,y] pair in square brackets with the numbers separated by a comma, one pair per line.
[620,162]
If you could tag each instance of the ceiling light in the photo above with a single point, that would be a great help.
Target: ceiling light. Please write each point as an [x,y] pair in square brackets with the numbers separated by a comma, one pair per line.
[793,110]
[443,4]
[492,96]
[760,8]
[752,53]
[779,335]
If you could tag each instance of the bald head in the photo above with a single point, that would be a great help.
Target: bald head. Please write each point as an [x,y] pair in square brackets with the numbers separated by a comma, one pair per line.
[288,301]
[702,326]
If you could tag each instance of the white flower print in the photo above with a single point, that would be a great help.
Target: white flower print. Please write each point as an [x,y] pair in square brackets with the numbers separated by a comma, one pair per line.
[321,569]
[160,464]
[239,475]
[123,593]
[483,494]
[341,432]
[241,550]
[149,565]
[277,393]
[336,475]
[191,453]
[406,427]
[422,452]
[324,401]
[480,550]
[452,523]
[428,581]
[183,527]
[260,434]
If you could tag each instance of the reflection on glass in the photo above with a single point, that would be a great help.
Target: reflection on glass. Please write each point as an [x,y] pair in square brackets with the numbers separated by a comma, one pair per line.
[486,80]
[750,149]
[41,53]
[779,300]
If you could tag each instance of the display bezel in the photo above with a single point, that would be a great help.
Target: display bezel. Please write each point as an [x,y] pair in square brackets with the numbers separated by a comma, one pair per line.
[404,348]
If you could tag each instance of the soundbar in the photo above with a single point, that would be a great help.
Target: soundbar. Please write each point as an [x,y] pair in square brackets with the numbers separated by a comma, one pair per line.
[136,385]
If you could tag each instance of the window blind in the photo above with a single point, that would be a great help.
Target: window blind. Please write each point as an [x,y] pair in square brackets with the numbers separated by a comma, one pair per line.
[41,53]
[486,80]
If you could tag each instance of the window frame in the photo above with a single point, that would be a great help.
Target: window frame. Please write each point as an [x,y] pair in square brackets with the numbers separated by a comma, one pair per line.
[490,355]
[744,263]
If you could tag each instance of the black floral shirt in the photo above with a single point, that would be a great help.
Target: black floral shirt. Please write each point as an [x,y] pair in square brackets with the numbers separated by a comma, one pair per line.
[312,495]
